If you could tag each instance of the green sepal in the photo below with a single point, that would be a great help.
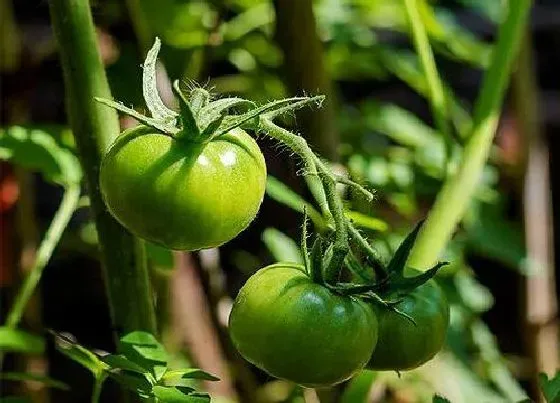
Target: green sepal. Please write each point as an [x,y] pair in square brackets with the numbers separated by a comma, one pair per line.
[189,127]
[199,98]
[154,123]
[398,262]
[404,285]
[217,109]
[317,261]
[149,88]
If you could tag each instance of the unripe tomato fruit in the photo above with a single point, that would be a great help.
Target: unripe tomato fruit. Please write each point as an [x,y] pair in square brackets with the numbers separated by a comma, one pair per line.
[300,331]
[401,344]
[181,194]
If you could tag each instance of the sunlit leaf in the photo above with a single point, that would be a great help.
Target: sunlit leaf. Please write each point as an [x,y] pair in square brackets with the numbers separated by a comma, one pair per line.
[550,387]
[37,150]
[171,394]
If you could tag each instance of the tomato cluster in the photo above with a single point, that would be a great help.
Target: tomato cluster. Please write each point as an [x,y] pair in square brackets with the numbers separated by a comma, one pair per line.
[196,179]
[304,332]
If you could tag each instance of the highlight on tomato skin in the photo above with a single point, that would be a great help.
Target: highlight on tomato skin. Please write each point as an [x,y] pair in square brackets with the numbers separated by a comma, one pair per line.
[404,345]
[301,331]
[180,194]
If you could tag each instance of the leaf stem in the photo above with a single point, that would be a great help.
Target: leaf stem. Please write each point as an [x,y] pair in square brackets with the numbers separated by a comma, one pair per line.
[97,387]
[95,127]
[68,205]
[459,188]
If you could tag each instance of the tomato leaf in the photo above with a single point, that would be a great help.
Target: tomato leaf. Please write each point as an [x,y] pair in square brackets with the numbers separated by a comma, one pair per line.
[37,150]
[119,361]
[282,247]
[144,349]
[550,387]
[171,394]
[133,381]
[191,373]
[67,345]
[25,376]
[440,399]
[14,340]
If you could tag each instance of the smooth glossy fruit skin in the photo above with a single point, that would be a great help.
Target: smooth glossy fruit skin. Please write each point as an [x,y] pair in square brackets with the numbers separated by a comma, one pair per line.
[180,194]
[402,345]
[300,331]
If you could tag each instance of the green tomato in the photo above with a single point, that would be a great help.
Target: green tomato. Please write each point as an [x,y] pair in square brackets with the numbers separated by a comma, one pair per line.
[403,345]
[300,331]
[180,194]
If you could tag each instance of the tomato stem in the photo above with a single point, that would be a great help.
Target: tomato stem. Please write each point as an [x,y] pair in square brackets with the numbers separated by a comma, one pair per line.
[317,167]
[95,127]
[458,189]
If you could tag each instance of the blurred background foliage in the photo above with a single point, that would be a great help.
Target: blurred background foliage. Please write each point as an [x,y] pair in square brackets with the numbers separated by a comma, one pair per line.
[376,127]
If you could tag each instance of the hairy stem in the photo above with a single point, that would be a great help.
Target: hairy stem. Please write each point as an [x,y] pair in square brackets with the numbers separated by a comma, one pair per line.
[317,167]
[60,221]
[95,127]
[458,189]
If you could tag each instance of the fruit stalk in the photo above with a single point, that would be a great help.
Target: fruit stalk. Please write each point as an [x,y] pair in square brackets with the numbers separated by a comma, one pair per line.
[95,127]
[458,189]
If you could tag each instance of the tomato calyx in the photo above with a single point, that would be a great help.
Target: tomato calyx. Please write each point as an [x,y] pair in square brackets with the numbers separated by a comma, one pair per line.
[199,118]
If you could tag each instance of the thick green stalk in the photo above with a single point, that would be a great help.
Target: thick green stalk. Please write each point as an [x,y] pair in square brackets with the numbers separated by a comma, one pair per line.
[68,205]
[426,56]
[459,188]
[95,127]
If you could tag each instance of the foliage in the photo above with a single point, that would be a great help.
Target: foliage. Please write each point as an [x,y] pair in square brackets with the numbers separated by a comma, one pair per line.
[140,365]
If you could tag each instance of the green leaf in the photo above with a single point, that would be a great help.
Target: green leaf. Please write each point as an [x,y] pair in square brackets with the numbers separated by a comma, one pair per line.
[190,373]
[281,193]
[67,345]
[281,246]
[144,349]
[119,361]
[133,381]
[14,340]
[24,376]
[167,394]
[440,399]
[37,150]
[550,387]
[149,87]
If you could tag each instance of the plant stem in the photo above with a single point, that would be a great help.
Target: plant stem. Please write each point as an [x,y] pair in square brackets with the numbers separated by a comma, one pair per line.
[97,387]
[435,87]
[60,220]
[95,127]
[298,145]
[458,189]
